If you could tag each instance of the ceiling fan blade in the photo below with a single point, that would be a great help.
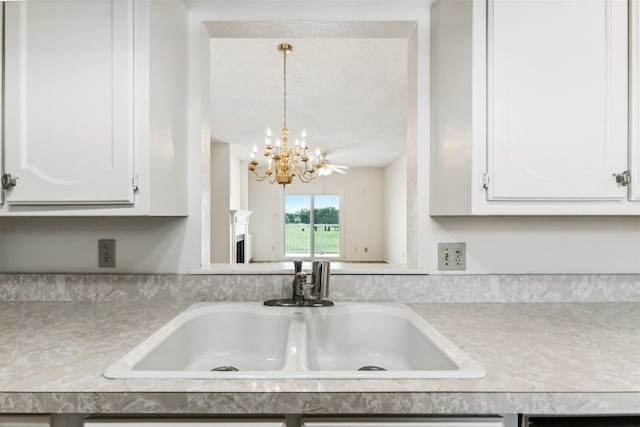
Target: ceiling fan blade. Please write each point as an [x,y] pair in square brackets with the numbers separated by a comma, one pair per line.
[326,168]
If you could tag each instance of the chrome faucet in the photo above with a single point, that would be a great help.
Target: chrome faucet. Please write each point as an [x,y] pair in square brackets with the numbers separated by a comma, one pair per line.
[317,289]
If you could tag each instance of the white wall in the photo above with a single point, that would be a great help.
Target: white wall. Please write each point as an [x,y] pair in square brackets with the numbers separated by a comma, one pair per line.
[235,181]
[220,202]
[244,184]
[228,191]
[265,223]
[172,245]
[70,245]
[519,245]
[395,211]
[362,213]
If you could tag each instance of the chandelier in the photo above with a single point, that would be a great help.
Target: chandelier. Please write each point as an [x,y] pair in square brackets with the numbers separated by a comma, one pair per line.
[285,162]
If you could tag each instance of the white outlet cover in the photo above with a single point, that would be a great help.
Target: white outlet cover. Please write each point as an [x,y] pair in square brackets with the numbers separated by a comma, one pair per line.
[452,256]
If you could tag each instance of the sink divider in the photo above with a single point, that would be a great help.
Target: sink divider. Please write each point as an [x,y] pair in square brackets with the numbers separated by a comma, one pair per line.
[296,351]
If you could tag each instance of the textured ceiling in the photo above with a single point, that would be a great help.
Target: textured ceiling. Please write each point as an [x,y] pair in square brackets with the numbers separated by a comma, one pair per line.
[348,93]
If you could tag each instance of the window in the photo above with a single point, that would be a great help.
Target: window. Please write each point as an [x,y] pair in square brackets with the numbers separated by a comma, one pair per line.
[312,226]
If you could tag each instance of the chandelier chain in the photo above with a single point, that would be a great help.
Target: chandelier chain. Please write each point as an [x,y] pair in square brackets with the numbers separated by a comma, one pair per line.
[285,88]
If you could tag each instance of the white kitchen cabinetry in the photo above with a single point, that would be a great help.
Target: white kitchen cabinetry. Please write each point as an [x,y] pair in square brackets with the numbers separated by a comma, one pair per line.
[1,103]
[529,108]
[406,422]
[25,421]
[168,422]
[95,107]
[69,91]
[634,93]
[373,421]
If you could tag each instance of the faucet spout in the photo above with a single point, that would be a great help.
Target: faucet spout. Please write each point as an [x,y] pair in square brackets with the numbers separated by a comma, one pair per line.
[319,287]
[299,286]
[297,266]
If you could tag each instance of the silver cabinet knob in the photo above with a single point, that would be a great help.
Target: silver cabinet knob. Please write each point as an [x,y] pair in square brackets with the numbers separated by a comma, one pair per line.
[8,181]
[623,178]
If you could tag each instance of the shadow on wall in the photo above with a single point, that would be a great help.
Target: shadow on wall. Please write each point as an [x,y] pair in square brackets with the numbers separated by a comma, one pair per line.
[544,245]
[70,245]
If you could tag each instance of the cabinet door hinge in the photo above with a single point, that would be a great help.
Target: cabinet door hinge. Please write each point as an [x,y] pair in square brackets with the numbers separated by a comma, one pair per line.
[485,181]
[136,182]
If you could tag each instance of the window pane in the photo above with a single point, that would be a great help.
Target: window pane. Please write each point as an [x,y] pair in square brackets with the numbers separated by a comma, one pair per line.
[297,223]
[326,234]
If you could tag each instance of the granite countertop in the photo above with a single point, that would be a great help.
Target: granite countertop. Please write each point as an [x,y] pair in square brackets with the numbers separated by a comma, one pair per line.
[570,358]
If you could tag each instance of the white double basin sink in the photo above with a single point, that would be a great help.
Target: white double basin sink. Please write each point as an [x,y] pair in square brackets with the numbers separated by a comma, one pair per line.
[252,341]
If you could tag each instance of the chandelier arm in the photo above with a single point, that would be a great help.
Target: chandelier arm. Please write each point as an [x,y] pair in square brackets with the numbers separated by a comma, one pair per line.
[298,169]
[307,170]
[255,175]
[308,175]
[305,177]
[312,175]
[271,178]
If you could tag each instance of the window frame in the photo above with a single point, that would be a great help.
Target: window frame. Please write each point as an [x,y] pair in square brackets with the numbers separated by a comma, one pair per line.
[312,255]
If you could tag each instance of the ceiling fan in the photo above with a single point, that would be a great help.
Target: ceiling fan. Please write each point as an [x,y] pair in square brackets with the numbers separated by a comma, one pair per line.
[326,168]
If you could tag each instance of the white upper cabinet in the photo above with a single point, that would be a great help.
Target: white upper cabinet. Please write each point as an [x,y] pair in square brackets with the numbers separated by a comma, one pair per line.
[77,73]
[634,91]
[557,99]
[529,107]
[68,117]
[1,103]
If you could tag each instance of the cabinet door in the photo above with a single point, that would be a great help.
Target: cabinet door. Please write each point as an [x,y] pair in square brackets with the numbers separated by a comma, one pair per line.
[25,421]
[406,422]
[557,99]
[168,422]
[634,91]
[69,101]
[1,97]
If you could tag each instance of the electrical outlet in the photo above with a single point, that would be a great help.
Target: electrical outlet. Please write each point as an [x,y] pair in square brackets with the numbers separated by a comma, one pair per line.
[452,256]
[107,253]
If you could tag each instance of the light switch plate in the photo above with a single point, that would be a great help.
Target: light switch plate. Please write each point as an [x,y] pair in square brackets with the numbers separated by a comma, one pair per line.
[452,256]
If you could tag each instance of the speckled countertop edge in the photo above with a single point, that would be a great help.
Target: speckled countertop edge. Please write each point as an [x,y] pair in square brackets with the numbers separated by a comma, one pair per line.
[365,287]
[349,403]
